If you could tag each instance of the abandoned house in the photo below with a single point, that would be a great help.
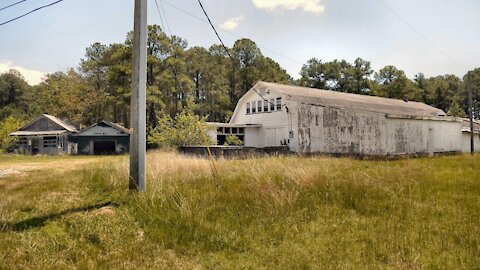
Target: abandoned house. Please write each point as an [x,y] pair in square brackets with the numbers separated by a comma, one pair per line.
[311,120]
[46,135]
[103,138]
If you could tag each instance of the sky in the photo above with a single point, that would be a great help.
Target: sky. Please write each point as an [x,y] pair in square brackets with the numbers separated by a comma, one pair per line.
[435,37]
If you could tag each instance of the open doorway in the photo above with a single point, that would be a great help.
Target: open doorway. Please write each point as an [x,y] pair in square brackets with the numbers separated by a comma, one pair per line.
[104,147]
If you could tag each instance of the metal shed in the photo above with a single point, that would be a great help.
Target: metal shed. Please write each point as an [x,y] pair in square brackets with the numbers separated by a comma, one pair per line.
[103,138]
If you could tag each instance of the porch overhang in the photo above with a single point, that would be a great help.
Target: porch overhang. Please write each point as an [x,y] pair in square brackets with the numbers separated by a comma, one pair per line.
[38,133]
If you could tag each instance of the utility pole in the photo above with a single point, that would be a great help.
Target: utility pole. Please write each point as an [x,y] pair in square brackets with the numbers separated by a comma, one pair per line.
[470,113]
[138,102]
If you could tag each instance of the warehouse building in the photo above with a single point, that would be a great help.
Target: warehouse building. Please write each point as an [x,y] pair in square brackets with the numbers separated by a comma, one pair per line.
[319,121]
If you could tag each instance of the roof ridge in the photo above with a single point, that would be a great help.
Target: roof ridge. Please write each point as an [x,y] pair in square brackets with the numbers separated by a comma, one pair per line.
[370,103]
[61,123]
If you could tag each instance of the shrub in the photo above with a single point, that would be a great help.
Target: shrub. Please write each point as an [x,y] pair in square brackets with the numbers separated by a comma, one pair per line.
[7,126]
[233,141]
[185,129]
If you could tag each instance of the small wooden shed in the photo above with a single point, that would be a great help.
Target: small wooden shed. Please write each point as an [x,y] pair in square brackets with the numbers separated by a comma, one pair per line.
[46,135]
[104,138]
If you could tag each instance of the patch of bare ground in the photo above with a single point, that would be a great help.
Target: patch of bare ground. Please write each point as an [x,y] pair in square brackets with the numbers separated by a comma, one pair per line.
[23,169]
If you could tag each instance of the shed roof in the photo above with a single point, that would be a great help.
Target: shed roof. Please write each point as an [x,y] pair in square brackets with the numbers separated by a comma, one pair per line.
[354,101]
[118,127]
[466,125]
[61,123]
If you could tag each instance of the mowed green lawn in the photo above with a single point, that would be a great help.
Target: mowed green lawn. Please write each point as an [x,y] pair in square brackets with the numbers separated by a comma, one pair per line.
[269,213]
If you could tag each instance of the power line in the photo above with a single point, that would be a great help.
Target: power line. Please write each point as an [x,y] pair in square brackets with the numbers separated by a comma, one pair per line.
[37,9]
[231,33]
[14,4]
[418,32]
[216,33]
[227,51]
[160,15]
[166,20]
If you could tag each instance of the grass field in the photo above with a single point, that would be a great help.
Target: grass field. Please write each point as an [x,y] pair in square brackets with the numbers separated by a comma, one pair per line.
[269,213]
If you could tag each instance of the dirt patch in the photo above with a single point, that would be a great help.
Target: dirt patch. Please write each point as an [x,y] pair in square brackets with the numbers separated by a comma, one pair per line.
[16,170]
[107,210]
[8,170]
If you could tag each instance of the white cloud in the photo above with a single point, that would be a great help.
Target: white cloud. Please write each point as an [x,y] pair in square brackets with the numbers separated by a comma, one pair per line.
[312,6]
[33,77]
[232,23]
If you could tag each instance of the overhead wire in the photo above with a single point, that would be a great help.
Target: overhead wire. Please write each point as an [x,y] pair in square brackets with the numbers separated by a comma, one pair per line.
[160,15]
[215,30]
[231,33]
[14,4]
[166,20]
[226,49]
[30,12]
[382,2]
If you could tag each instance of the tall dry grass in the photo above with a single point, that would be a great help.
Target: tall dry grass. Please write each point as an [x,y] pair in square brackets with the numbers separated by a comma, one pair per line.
[265,213]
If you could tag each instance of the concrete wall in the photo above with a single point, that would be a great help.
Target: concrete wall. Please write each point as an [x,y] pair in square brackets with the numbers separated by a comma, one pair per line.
[409,136]
[466,142]
[309,129]
[337,131]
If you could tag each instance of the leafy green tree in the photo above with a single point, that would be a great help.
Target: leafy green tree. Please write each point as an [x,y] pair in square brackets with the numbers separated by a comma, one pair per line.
[184,129]
[13,89]
[392,83]
[421,83]
[472,79]
[313,74]
[443,90]
[361,72]
[7,126]
[456,110]
[66,95]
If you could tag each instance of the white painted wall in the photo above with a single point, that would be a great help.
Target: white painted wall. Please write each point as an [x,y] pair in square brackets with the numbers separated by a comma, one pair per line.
[466,142]
[344,131]
[278,120]
[408,136]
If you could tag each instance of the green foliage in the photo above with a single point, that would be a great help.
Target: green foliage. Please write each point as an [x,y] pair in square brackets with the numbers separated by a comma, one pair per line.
[206,81]
[456,110]
[337,75]
[185,128]
[7,126]
[233,140]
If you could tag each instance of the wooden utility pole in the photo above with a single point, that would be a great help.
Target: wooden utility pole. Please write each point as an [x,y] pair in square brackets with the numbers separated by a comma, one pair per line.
[138,102]
[470,112]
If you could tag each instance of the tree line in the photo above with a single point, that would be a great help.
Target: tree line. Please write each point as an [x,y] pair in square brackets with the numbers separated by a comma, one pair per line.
[205,82]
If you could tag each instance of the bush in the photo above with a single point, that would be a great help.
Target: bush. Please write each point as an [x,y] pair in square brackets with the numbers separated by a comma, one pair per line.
[233,141]
[7,126]
[185,129]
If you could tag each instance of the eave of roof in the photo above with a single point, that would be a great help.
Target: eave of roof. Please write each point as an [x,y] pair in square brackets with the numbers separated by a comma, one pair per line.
[214,124]
[38,133]
[113,125]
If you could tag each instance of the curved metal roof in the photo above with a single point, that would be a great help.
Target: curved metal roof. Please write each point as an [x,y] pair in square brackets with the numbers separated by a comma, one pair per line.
[347,100]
